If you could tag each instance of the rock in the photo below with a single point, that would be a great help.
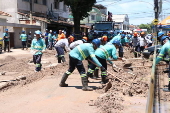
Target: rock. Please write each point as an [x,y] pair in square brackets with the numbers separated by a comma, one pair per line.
[3,73]
[21,78]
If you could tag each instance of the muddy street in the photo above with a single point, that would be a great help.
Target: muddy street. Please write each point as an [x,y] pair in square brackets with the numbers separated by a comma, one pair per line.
[24,91]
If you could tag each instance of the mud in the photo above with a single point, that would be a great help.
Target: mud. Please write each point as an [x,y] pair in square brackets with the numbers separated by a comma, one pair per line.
[125,83]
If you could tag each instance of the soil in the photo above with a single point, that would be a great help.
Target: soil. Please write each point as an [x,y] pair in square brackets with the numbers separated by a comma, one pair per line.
[24,91]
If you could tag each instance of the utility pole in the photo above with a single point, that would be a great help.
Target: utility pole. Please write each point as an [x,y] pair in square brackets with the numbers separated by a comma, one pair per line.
[30,12]
[156,10]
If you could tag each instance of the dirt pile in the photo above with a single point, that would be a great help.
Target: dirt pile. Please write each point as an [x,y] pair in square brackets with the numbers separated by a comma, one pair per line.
[127,82]
[11,64]
[8,59]
[109,103]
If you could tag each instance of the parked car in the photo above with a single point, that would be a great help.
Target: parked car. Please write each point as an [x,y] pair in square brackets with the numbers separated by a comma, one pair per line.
[148,52]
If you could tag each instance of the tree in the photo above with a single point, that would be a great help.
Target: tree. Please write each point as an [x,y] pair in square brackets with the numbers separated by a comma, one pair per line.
[80,9]
[146,26]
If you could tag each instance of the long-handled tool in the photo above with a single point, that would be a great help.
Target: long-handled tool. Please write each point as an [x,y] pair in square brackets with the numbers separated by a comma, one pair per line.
[129,59]
[130,67]
[110,73]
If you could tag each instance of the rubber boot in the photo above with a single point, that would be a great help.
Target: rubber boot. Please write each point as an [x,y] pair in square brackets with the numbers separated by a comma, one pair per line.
[63,79]
[90,74]
[85,84]
[104,80]
[63,59]
[135,54]
[59,59]
[96,74]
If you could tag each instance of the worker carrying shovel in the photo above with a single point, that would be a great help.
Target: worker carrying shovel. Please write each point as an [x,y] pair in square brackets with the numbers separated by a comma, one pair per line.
[79,53]
[103,54]
[164,51]
[37,49]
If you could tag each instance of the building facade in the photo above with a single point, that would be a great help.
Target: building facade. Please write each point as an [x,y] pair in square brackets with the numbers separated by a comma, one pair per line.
[98,13]
[31,15]
[121,22]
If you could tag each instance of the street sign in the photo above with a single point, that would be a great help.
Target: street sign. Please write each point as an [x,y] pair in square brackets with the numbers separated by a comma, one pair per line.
[155,21]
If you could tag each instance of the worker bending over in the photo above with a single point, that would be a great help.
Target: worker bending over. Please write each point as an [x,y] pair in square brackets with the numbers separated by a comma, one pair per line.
[79,53]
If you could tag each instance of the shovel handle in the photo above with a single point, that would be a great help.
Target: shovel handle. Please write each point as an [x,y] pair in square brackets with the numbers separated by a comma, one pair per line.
[147,66]
[111,74]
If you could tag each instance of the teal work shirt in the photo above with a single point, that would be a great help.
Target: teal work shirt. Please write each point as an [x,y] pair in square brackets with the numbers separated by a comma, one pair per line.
[83,51]
[54,37]
[118,37]
[6,35]
[50,39]
[110,36]
[23,37]
[124,40]
[38,45]
[165,50]
[107,51]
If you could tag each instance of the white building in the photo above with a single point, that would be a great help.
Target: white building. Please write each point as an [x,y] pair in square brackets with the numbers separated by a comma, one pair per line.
[121,22]
[31,15]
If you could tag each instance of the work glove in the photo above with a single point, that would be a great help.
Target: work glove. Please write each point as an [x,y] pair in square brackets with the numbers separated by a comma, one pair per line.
[123,59]
[33,51]
[114,66]
[102,69]
[43,51]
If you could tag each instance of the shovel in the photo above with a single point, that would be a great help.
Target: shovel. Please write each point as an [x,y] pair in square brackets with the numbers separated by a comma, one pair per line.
[130,67]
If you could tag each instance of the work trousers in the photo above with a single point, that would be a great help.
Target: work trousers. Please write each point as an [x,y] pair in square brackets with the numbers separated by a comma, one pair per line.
[46,42]
[93,67]
[23,44]
[121,51]
[29,43]
[37,61]
[102,61]
[6,45]
[60,52]
[75,63]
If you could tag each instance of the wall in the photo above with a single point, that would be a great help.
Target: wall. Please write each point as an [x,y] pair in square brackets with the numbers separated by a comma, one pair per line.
[60,11]
[10,7]
[23,5]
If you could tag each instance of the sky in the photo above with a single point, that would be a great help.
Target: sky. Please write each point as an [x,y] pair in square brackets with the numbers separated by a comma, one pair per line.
[139,11]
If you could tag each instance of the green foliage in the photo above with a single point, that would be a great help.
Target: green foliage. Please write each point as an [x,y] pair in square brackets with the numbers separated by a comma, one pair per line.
[146,26]
[79,9]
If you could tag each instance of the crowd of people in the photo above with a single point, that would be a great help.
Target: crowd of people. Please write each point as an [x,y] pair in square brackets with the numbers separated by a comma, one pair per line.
[97,49]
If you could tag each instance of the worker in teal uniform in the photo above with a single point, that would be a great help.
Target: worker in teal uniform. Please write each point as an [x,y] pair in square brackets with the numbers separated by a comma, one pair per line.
[103,54]
[6,40]
[165,50]
[79,53]
[37,49]
[23,38]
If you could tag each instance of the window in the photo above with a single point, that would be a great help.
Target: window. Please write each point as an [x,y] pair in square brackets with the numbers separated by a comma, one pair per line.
[36,1]
[26,0]
[93,17]
[44,2]
[56,4]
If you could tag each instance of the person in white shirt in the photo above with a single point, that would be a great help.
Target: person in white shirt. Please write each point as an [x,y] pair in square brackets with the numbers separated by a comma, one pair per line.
[148,39]
[78,42]
[60,51]
[142,41]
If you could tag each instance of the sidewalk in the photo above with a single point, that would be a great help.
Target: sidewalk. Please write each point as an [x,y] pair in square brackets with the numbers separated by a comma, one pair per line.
[15,52]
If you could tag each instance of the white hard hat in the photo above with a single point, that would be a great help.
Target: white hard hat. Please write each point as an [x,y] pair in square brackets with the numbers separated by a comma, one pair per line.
[51,31]
[38,32]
